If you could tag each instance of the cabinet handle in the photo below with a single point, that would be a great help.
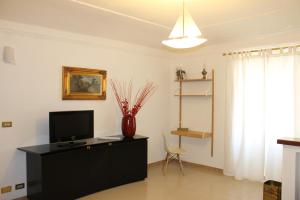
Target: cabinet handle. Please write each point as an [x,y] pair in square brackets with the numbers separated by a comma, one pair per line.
[109,144]
[88,147]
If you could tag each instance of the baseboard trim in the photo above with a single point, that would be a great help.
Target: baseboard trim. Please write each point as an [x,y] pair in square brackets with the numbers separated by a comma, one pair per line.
[21,198]
[190,164]
[202,166]
[155,163]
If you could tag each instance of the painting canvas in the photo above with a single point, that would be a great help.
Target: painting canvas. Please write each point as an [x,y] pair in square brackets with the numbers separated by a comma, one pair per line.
[84,84]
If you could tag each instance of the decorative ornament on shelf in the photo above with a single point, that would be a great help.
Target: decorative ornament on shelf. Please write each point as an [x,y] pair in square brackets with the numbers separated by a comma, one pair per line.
[185,33]
[123,94]
[204,73]
[180,74]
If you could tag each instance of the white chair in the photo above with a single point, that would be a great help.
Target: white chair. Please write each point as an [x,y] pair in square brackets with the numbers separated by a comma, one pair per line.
[172,153]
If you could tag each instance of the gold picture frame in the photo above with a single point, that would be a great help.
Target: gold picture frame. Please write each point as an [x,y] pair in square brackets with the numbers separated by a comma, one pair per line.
[83,84]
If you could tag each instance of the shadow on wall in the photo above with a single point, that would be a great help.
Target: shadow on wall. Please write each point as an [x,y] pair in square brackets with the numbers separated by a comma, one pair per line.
[42,131]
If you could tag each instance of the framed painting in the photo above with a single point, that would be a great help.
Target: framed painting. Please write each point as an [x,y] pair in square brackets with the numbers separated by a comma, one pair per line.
[83,84]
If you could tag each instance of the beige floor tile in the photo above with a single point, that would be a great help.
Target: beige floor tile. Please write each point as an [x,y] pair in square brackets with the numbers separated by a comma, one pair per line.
[197,183]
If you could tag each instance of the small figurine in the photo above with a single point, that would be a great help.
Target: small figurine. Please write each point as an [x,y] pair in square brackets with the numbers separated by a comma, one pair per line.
[204,73]
[180,74]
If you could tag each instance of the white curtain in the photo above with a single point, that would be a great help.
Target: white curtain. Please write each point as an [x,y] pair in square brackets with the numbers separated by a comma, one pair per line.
[260,106]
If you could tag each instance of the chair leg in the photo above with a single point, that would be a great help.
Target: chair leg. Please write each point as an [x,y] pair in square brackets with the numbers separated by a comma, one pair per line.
[180,163]
[168,158]
[166,163]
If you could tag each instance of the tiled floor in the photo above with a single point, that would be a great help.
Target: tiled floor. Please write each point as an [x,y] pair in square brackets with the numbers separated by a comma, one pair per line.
[197,183]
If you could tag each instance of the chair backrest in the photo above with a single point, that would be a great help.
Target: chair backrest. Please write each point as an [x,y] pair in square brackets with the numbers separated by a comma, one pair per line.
[166,144]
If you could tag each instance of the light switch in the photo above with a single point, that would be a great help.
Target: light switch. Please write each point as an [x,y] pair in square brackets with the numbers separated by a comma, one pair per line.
[6,124]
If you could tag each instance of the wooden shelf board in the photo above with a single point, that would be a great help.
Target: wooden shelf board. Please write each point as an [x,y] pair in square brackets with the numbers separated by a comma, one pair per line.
[194,80]
[195,134]
[194,95]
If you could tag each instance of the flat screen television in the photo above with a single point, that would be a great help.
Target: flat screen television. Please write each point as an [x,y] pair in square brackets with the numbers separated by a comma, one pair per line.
[71,125]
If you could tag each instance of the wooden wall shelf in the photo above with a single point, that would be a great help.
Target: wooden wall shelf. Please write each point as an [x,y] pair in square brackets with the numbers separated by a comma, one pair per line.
[194,80]
[195,134]
[193,95]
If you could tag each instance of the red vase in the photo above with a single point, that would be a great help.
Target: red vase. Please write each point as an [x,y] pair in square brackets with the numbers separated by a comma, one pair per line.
[128,126]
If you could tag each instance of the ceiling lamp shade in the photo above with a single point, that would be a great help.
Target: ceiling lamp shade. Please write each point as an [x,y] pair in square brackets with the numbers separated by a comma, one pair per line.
[185,33]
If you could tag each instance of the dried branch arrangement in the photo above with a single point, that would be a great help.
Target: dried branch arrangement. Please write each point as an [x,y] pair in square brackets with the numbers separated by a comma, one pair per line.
[123,94]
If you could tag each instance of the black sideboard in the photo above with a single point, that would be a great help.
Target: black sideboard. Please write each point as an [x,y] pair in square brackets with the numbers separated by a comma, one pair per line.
[65,172]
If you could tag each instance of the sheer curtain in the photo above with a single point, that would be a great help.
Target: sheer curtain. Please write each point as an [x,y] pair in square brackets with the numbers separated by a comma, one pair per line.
[260,107]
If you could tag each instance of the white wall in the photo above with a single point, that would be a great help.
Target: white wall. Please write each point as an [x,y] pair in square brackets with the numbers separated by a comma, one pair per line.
[197,110]
[32,88]
[297,100]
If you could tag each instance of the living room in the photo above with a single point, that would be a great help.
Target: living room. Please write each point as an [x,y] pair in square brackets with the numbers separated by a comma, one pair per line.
[123,38]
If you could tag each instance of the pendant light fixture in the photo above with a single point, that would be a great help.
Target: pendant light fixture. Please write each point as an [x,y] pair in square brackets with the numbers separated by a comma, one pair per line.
[185,33]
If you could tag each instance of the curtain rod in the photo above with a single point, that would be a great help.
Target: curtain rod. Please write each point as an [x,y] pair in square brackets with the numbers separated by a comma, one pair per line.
[258,50]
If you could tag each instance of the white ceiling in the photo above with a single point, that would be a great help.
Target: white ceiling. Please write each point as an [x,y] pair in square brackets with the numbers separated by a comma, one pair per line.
[147,22]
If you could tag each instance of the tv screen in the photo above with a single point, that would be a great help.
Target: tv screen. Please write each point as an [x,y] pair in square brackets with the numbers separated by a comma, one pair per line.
[71,125]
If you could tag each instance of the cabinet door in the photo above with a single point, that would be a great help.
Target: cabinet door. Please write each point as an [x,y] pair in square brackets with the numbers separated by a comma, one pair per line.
[128,161]
[65,174]
[75,173]
[99,167]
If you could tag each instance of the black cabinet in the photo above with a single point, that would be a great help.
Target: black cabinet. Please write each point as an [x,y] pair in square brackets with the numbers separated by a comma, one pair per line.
[124,167]
[71,172]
